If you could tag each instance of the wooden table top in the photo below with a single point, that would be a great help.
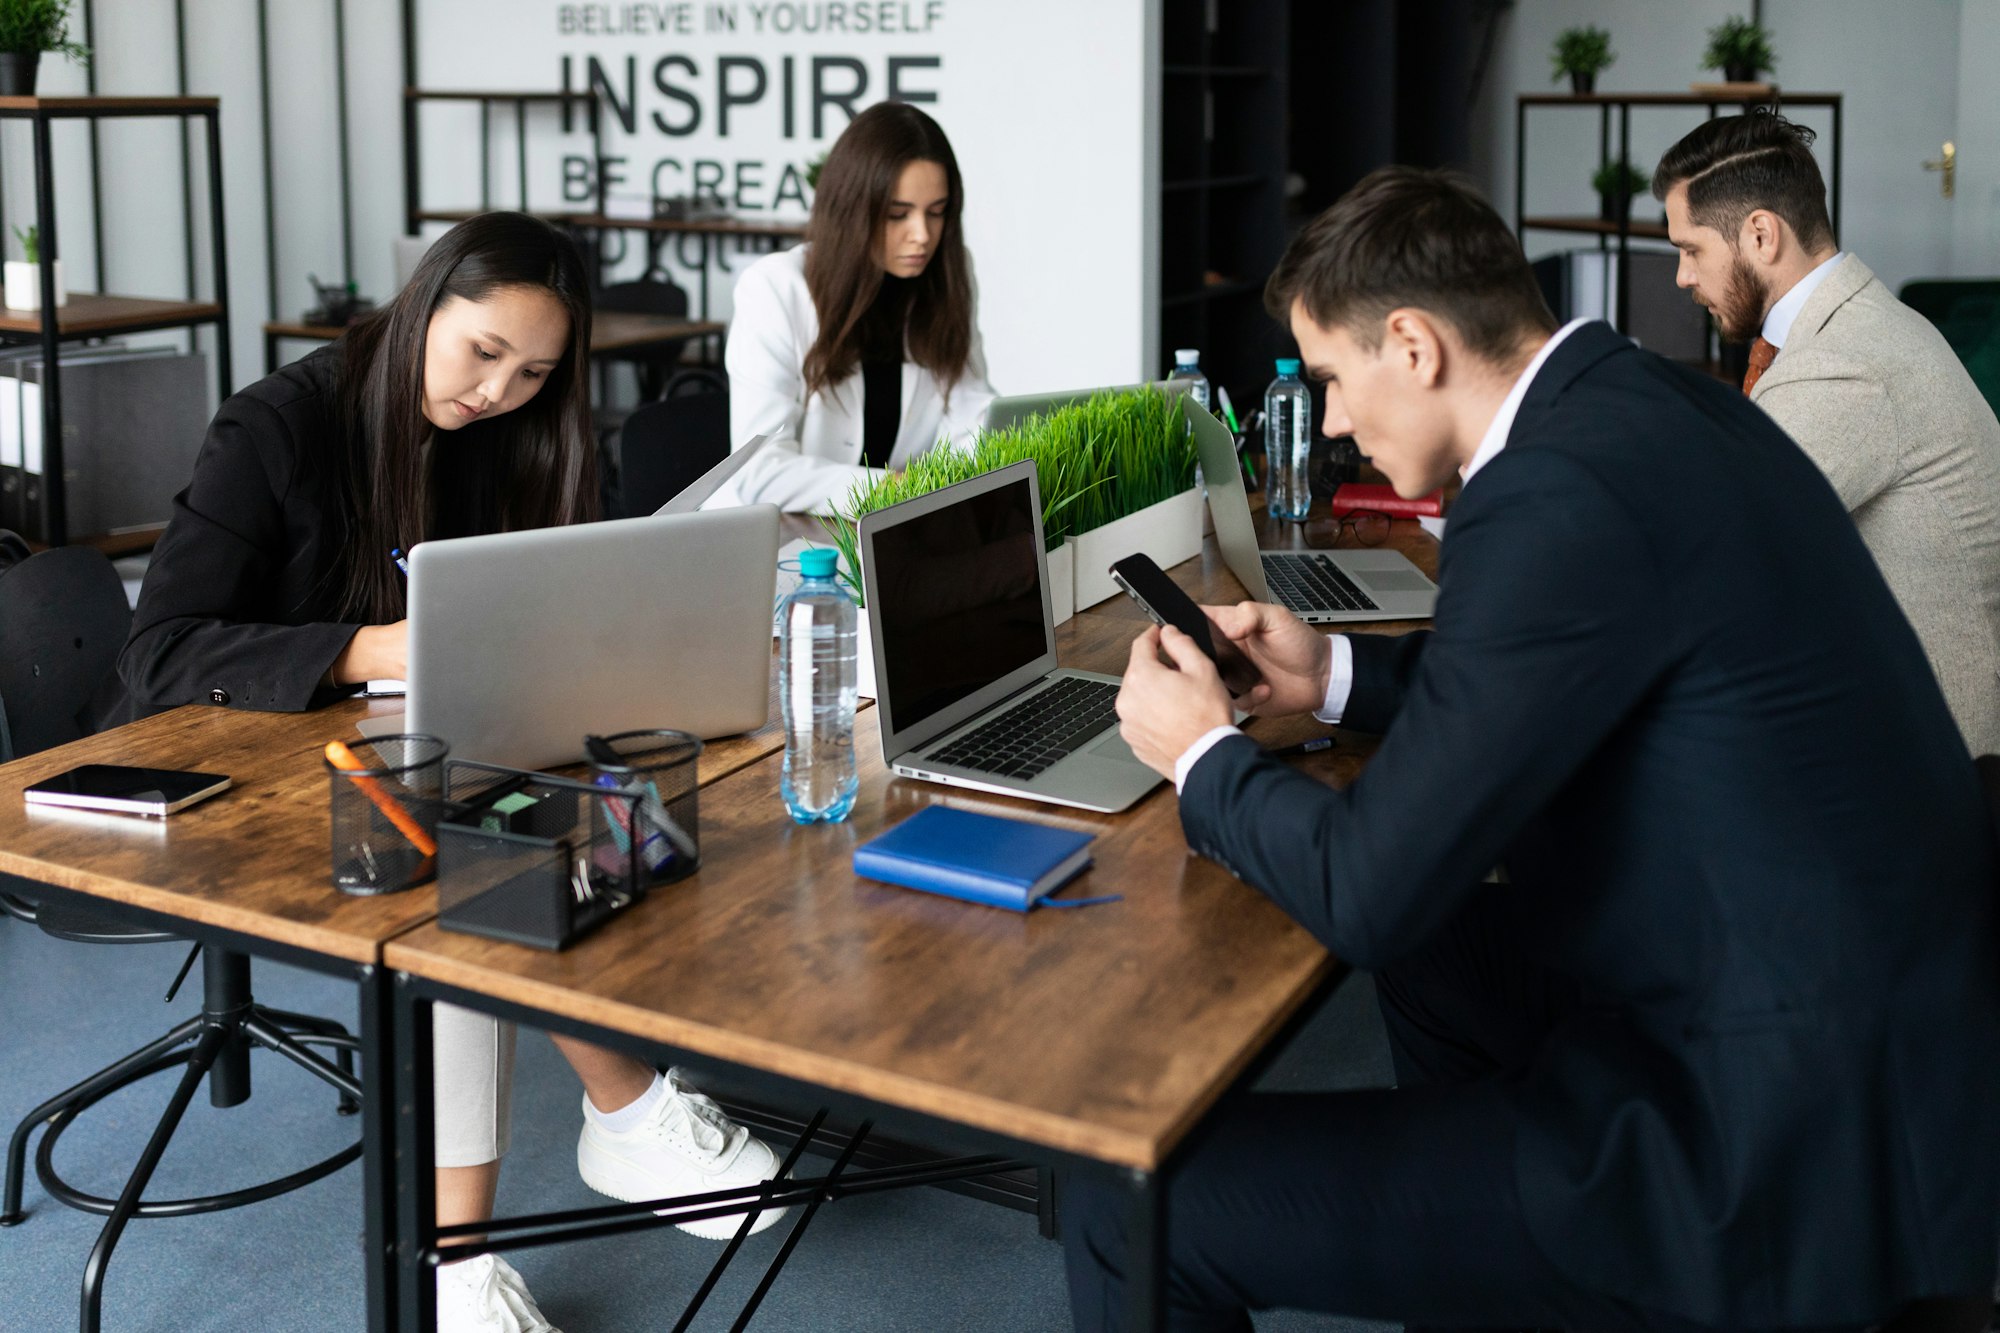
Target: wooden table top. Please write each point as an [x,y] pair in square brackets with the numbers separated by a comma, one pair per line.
[255,859]
[1106,1032]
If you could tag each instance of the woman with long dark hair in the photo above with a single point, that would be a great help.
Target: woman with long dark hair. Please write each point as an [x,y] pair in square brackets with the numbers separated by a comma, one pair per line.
[462,407]
[860,349]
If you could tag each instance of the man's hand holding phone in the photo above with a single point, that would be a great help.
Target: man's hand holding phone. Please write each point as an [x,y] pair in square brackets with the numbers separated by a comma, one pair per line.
[1291,657]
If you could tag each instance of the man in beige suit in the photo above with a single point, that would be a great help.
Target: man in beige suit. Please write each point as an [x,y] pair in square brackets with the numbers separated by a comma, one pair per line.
[1867,387]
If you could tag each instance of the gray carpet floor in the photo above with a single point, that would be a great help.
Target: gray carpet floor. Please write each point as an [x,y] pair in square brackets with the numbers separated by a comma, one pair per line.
[921,1261]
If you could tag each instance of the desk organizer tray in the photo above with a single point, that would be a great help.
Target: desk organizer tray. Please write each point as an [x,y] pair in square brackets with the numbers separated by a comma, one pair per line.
[540,860]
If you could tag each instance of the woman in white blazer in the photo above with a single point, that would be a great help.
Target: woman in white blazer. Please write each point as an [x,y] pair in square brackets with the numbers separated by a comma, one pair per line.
[860,349]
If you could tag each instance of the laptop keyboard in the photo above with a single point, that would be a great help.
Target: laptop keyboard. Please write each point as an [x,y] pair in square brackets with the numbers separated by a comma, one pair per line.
[1036,732]
[1314,583]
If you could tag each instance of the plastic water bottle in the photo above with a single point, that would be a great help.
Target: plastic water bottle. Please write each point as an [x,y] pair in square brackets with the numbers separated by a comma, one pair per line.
[1187,366]
[1288,444]
[816,683]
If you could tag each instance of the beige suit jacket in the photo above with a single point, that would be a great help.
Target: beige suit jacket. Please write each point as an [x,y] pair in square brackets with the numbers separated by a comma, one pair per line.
[1873,393]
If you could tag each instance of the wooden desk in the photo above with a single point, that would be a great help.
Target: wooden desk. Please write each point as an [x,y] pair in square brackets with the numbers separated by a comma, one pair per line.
[249,871]
[610,331]
[1096,1039]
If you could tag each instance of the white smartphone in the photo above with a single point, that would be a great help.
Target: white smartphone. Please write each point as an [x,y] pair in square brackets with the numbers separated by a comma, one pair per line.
[134,791]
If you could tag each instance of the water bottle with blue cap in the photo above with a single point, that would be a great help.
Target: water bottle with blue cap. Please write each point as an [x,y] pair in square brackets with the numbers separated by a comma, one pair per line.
[816,686]
[1288,444]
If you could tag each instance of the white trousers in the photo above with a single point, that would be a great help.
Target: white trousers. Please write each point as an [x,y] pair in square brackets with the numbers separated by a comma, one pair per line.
[472,1071]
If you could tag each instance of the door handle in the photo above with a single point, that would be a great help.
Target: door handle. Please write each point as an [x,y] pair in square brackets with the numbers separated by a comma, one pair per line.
[1948,166]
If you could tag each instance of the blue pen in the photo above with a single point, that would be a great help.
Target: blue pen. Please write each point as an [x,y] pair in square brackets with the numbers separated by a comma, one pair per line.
[1312,746]
[396,554]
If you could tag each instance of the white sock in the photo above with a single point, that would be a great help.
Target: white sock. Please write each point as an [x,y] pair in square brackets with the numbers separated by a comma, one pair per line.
[627,1118]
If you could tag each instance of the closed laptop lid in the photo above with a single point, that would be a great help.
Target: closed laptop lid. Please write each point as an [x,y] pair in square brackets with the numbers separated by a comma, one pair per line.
[521,643]
[958,603]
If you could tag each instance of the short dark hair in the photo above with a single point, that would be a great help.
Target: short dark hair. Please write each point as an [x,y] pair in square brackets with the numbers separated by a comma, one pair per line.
[1734,165]
[1405,236]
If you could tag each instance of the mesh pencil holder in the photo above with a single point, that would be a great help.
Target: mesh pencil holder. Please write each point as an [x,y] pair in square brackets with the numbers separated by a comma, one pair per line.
[385,812]
[533,858]
[664,825]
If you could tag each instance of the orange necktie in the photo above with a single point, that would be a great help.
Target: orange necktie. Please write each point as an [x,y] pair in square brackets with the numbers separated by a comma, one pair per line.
[1761,353]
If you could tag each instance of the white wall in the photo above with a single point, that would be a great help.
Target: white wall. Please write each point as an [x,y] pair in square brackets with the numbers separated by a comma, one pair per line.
[1898,67]
[1043,101]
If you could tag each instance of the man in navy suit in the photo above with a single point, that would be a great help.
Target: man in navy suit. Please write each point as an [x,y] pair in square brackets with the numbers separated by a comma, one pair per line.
[1715,1049]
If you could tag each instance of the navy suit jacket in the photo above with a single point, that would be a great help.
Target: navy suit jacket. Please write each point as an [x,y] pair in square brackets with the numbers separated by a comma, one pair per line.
[1667,688]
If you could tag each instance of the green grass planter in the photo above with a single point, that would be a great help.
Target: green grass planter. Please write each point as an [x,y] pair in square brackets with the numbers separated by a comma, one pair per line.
[1116,472]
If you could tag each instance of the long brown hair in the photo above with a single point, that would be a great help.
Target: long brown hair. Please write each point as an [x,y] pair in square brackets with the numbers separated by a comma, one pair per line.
[400,482]
[849,211]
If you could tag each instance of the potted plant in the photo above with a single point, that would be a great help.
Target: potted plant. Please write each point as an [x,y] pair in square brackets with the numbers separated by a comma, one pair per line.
[1115,470]
[1617,184]
[28,28]
[1581,53]
[23,289]
[1740,49]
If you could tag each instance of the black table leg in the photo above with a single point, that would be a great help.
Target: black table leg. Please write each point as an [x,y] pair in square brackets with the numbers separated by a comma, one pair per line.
[379,1181]
[1146,1252]
[416,1159]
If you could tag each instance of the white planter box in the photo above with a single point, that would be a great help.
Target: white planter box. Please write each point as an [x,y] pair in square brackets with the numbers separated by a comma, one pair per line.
[1169,531]
[864,656]
[24,285]
[1062,580]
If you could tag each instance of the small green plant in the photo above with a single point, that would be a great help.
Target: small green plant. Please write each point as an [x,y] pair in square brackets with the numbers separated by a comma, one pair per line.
[30,26]
[1095,461]
[1581,52]
[813,168]
[31,243]
[1739,48]
[1619,179]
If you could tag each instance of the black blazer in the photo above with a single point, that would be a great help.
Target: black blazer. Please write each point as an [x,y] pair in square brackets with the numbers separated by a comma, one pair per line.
[1668,689]
[237,607]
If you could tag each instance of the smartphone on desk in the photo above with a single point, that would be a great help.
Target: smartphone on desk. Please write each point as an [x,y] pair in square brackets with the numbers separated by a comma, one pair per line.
[1162,599]
[157,792]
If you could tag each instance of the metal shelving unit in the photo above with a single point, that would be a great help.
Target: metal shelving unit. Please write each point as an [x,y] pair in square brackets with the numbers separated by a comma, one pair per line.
[1624,229]
[96,315]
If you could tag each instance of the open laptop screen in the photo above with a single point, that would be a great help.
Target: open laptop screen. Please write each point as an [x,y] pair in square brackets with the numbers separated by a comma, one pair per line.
[958,596]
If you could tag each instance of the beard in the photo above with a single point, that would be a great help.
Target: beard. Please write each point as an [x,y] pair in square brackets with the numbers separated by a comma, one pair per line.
[1740,310]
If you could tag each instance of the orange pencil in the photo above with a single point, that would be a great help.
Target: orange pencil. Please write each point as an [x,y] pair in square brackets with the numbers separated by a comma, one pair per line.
[341,757]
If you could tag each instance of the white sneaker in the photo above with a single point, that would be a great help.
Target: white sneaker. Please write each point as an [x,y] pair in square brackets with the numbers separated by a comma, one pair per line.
[484,1294]
[686,1146]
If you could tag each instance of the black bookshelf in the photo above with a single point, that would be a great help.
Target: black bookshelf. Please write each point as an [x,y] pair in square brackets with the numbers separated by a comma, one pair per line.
[1223,82]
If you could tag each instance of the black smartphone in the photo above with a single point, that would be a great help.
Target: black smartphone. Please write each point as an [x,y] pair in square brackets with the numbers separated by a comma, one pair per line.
[133,791]
[1162,598]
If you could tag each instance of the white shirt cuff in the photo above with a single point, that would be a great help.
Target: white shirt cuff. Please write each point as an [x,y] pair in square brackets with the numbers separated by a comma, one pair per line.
[1185,764]
[1339,680]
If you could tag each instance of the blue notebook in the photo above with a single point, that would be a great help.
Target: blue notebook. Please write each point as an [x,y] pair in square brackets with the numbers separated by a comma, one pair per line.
[980,858]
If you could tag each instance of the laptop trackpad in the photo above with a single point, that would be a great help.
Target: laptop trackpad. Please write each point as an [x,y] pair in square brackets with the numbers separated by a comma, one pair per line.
[1394,580]
[1111,746]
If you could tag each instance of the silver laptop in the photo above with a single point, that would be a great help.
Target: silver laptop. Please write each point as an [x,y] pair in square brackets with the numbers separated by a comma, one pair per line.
[521,643]
[1004,412]
[690,497]
[1319,587]
[967,687]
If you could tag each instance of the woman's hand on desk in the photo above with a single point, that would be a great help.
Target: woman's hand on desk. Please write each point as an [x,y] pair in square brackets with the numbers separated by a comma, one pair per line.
[376,652]
[1292,656]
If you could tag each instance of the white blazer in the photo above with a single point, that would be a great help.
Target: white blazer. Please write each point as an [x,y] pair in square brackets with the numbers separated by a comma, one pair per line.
[814,455]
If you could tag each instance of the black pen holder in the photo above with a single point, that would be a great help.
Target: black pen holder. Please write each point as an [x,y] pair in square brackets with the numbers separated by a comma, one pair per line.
[665,825]
[385,813]
[533,858]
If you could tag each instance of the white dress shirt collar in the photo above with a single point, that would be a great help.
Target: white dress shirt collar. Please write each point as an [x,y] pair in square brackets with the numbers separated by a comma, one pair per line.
[1495,438]
[1778,324]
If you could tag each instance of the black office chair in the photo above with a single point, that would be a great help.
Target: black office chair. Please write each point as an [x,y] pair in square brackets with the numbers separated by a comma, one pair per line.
[666,445]
[653,294]
[63,619]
